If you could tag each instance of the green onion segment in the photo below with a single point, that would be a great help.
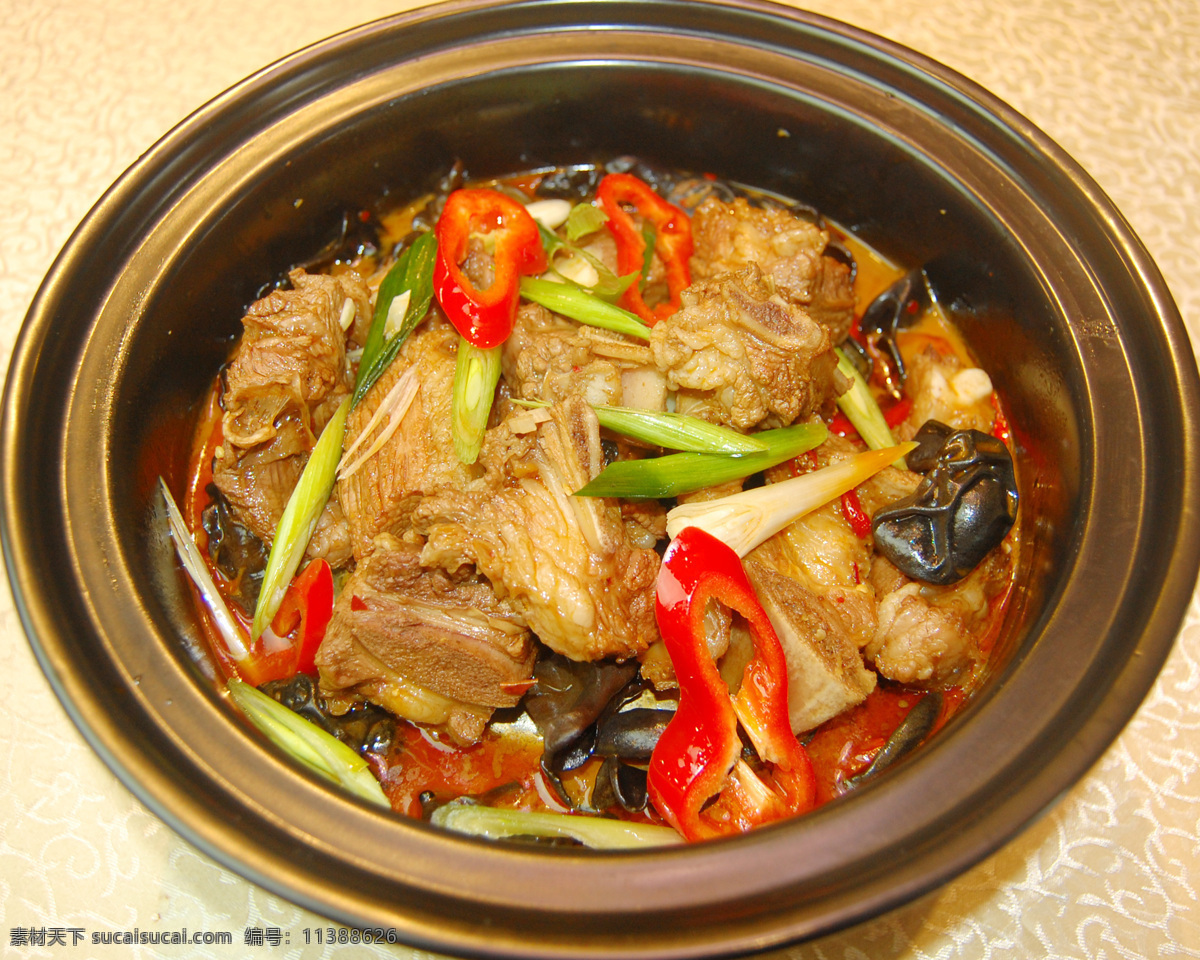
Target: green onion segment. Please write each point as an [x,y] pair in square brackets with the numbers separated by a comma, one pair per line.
[744,520]
[656,477]
[600,833]
[476,373]
[650,239]
[304,741]
[574,302]
[608,285]
[675,431]
[860,408]
[412,273]
[583,219]
[300,518]
[197,569]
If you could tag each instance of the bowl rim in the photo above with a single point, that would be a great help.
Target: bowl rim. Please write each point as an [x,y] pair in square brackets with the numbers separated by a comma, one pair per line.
[139,758]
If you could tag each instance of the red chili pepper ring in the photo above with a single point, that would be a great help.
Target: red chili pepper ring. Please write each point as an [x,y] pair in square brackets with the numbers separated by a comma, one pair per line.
[697,757]
[672,241]
[485,317]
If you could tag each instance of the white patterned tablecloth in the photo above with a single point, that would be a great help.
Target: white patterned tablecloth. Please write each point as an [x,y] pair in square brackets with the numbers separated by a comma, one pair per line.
[1110,872]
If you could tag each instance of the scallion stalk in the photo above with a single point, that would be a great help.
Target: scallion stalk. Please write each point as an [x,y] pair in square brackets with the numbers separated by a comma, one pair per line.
[584,219]
[572,301]
[304,741]
[600,833]
[412,273]
[300,518]
[197,569]
[476,373]
[744,520]
[860,408]
[608,286]
[656,477]
[675,431]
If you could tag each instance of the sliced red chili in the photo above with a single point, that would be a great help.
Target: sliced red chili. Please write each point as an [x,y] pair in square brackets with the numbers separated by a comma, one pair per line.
[1000,426]
[672,240]
[485,317]
[315,586]
[856,516]
[303,616]
[697,756]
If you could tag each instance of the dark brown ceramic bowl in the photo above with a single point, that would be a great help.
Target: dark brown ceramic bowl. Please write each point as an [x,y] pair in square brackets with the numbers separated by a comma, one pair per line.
[1053,291]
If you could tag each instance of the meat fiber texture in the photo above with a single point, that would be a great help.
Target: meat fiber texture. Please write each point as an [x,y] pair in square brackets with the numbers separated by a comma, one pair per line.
[565,563]
[740,355]
[286,377]
[791,251]
[826,674]
[547,357]
[397,625]
[418,459]
[928,634]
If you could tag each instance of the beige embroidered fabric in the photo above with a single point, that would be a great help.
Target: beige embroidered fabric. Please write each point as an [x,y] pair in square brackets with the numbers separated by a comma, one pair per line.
[1110,871]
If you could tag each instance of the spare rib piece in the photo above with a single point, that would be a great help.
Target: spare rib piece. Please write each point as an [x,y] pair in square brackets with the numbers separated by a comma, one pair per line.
[424,645]
[284,381]
[547,358]
[943,388]
[564,563]
[820,549]
[789,249]
[289,371]
[928,633]
[740,355]
[826,674]
[419,457]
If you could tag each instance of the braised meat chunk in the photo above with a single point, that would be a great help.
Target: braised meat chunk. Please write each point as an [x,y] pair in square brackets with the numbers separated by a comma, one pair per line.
[930,634]
[284,381]
[418,458]
[947,390]
[740,355]
[826,673]
[289,371]
[790,250]
[548,357]
[565,563]
[426,646]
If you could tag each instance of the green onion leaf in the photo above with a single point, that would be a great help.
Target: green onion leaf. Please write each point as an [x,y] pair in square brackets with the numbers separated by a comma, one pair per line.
[197,569]
[299,519]
[303,740]
[861,410]
[675,431]
[551,241]
[583,219]
[412,273]
[476,373]
[573,302]
[608,285]
[650,238]
[656,477]
[601,833]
